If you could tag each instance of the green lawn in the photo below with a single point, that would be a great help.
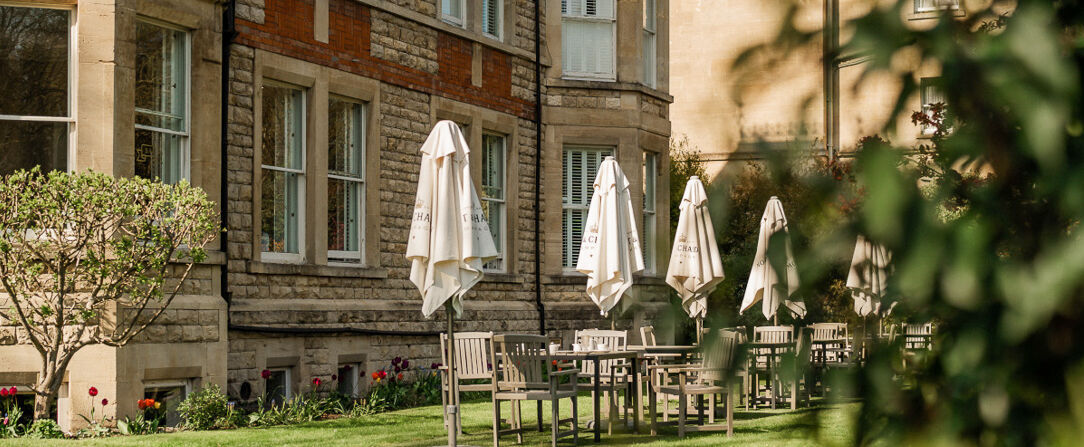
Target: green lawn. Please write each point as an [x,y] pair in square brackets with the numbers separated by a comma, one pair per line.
[821,425]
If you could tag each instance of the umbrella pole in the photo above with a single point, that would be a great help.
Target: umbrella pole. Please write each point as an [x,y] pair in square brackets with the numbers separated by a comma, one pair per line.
[699,330]
[452,410]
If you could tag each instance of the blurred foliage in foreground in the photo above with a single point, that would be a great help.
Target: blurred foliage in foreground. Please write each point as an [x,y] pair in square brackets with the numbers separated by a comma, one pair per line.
[1003,273]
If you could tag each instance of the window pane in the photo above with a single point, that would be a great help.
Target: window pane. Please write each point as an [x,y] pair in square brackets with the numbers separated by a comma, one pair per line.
[277,387]
[160,77]
[493,166]
[491,17]
[346,133]
[452,8]
[282,127]
[169,397]
[650,174]
[343,209]
[578,176]
[33,61]
[279,208]
[158,155]
[25,144]
[348,380]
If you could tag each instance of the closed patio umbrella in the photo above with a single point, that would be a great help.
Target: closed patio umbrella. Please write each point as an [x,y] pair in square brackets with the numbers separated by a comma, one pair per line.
[868,276]
[610,249]
[695,265]
[449,237]
[766,284]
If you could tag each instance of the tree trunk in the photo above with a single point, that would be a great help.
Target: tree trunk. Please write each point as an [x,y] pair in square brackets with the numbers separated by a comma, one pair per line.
[47,388]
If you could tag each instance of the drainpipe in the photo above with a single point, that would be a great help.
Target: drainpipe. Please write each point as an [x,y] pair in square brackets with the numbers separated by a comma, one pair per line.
[538,168]
[228,33]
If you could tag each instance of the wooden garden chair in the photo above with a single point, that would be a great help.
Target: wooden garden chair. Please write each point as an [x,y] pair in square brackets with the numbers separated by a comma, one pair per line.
[613,374]
[762,359]
[472,358]
[711,377]
[523,370]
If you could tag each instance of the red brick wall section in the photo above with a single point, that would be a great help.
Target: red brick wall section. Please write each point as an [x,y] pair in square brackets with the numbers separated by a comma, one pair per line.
[288,30]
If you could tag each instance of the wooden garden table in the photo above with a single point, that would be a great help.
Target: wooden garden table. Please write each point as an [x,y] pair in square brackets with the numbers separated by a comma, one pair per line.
[597,357]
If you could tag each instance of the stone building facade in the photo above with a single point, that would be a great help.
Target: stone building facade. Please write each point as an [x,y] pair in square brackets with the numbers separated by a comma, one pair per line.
[308,312]
[305,117]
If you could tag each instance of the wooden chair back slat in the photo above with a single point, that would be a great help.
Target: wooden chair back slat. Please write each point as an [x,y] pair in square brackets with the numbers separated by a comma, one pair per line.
[919,335]
[719,353]
[773,334]
[471,354]
[614,340]
[520,360]
[647,336]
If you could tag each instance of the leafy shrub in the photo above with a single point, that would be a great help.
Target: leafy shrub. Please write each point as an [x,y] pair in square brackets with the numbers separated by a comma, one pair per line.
[203,408]
[44,429]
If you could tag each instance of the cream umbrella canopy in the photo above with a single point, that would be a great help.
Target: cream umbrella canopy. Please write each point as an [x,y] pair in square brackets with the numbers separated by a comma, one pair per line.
[695,265]
[610,249]
[449,237]
[766,284]
[868,276]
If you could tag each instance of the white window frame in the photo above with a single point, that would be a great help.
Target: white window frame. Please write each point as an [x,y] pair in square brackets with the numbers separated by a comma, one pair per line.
[354,256]
[567,17]
[650,44]
[460,21]
[570,245]
[930,88]
[500,264]
[288,382]
[73,79]
[650,215]
[301,179]
[936,5]
[185,95]
[498,22]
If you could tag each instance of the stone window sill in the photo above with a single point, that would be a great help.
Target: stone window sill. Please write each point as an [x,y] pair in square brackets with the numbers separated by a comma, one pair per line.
[332,271]
[502,278]
[610,85]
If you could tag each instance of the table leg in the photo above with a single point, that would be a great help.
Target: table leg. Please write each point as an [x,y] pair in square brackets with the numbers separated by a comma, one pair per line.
[639,400]
[597,397]
[771,375]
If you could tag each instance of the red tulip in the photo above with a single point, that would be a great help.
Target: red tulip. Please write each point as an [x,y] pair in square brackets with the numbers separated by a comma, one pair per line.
[13,390]
[266,374]
[105,402]
[3,392]
[376,376]
[400,377]
[92,391]
[334,377]
[316,381]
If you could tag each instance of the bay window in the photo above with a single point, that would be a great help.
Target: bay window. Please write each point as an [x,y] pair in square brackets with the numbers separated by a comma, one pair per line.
[579,169]
[651,175]
[161,103]
[36,121]
[649,46]
[588,42]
